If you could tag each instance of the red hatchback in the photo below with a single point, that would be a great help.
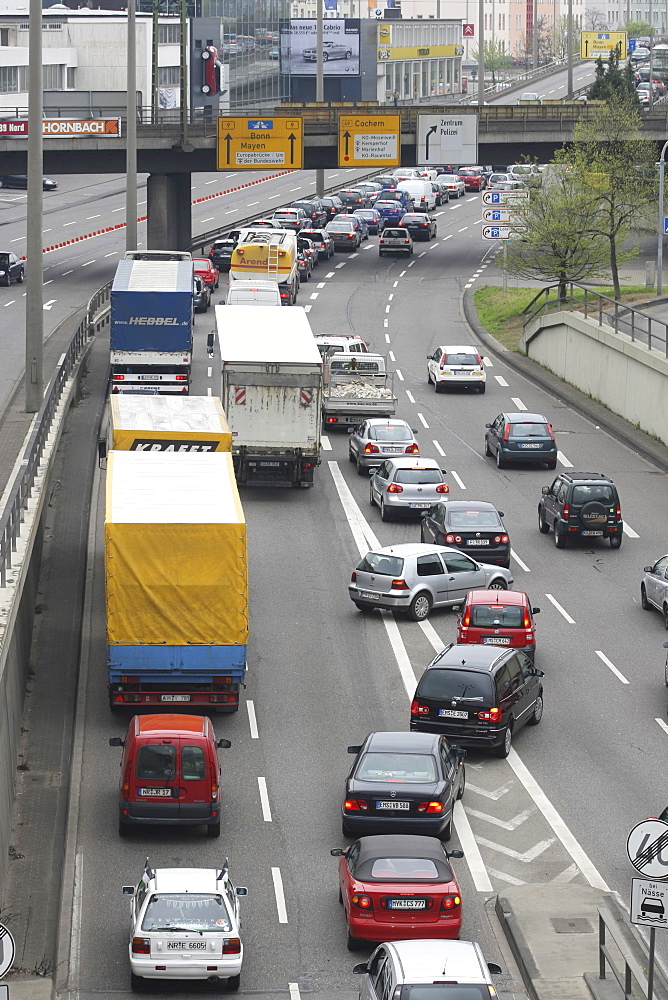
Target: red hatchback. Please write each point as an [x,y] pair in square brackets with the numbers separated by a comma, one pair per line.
[498,618]
[207,271]
[473,177]
[399,887]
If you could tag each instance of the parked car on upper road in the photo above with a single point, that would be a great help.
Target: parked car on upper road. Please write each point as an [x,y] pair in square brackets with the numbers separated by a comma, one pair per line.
[21,181]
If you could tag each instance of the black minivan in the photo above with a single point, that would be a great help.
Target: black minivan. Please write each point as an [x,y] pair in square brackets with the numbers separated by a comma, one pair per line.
[478,696]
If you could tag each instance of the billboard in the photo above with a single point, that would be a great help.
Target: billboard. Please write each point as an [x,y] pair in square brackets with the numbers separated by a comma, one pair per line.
[341,46]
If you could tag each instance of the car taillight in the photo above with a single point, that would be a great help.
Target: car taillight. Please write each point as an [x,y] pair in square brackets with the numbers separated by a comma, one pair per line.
[453,538]
[450,902]
[371,449]
[141,946]
[550,431]
[356,805]
[406,241]
[324,246]
[466,620]
[418,709]
[443,488]
[362,900]
[353,577]
[424,223]
[399,585]
[413,449]
[527,621]
[490,715]
[395,488]
[506,432]
[567,511]
[126,780]
[500,538]
[351,236]
[618,511]
[118,378]
[232,946]
[181,378]
[214,791]
[430,807]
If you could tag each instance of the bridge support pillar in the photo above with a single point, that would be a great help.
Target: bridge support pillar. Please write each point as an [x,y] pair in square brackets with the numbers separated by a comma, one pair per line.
[168,225]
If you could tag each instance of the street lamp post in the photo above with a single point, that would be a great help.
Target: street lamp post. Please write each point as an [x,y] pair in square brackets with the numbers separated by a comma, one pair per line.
[319,83]
[659,251]
[34,289]
[569,51]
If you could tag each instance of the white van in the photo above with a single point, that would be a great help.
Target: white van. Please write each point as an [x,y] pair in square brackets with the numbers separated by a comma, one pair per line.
[253,293]
[422,193]
[346,343]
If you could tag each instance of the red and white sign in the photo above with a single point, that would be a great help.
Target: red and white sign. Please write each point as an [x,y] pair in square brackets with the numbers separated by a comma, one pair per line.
[306,397]
[468,30]
[71,128]
[240,395]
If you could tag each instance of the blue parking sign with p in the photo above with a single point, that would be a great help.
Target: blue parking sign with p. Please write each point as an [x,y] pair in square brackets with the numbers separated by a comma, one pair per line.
[665,227]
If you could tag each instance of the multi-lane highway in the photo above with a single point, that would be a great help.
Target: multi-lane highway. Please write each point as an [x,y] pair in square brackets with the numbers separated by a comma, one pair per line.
[553,87]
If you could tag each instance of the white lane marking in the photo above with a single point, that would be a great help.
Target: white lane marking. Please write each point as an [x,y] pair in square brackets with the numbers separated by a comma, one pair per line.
[294,987]
[662,724]
[49,304]
[386,323]
[399,650]
[251,203]
[526,857]
[549,91]
[314,295]
[387,308]
[280,897]
[463,230]
[209,219]
[453,207]
[89,217]
[564,461]
[422,254]
[77,905]
[510,824]
[342,264]
[505,878]
[208,391]
[20,238]
[325,443]
[209,371]
[501,380]
[402,274]
[112,254]
[214,181]
[387,338]
[618,674]
[390,296]
[518,403]
[330,275]
[395,284]
[321,284]
[562,611]
[296,189]
[471,851]
[118,210]
[334,175]
[477,222]
[65,273]
[629,531]
[368,247]
[10,303]
[578,855]
[457,479]
[568,874]
[272,196]
[69,224]
[264,799]
[447,238]
[423,421]
[439,449]
[520,562]
[84,265]
[470,285]
[230,211]
[392,357]
[252,720]
[410,395]
[411,263]
[50,280]
[353,255]
[399,375]
[307,308]
[432,635]
[487,363]
[495,794]
[434,245]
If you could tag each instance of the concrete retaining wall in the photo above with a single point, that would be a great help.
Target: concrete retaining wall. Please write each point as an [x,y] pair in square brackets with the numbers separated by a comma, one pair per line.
[624,375]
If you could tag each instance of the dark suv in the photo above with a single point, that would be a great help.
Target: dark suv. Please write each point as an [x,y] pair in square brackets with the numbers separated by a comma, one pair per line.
[315,211]
[478,696]
[581,505]
[221,251]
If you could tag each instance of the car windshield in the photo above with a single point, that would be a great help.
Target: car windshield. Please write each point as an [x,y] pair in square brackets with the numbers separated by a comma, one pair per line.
[381,565]
[446,991]
[405,869]
[461,359]
[421,476]
[405,767]
[473,519]
[454,685]
[526,429]
[186,911]
[497,615]
[391,432]
[584,494]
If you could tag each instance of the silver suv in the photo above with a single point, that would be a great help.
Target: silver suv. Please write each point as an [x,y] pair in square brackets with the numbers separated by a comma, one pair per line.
[400,967]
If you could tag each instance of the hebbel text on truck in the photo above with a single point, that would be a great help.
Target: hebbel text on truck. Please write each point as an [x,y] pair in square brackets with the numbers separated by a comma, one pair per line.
[264,254]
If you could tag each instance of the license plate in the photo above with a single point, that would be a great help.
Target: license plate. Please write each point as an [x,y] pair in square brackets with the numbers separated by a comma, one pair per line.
[174,697]
[186,946]
[393,243]
[369,596]
[420,506]
[155,793]
[149,378]
[393,805]
[392,451]
[531,445]
[496,640]
[591,532]
[270,465]
[407,904]
[462,371]
[477,541]
[448,713]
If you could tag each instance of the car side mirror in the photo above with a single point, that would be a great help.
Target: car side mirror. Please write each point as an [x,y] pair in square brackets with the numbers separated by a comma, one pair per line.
[538,673]
[545,490]
[242,890]
[361,969]
[495,969]
[501,514]
[535,611]
[354,749]
[414,431]
[116,741]
[488,425]
[128,890]
[455,854]
[224,744]
[372,471]
[337,852]
[460,753]
[351,430]
[648,569]
[101,451]
[444,471]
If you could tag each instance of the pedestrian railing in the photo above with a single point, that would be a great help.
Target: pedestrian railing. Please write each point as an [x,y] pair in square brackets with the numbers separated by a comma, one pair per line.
[634,967]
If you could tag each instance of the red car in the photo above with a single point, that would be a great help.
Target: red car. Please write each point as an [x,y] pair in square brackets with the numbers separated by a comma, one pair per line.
[207,271]
[498,618]
[473,177]
[398,887]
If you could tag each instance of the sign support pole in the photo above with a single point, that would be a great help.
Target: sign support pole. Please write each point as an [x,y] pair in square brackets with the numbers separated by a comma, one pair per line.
[319,85]
[659,251]
[34,387]
[505,273]
[481,52]
[650,969]
[569,50]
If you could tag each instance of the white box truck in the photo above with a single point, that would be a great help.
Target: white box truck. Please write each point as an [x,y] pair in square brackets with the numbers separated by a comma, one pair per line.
[271,391]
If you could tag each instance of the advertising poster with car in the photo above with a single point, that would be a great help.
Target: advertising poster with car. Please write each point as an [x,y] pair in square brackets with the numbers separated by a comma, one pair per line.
[341,47]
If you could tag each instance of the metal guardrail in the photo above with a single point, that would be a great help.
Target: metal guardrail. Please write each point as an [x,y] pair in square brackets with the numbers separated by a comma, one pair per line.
[622,318]
[632,969]
[13,515]
[513,82]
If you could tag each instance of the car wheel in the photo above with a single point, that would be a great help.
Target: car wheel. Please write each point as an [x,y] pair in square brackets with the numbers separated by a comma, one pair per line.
[537,713]
[362,607]
[665,616]
[21,276]
[482,387]
[437,386]
[351,457]
[559,537]
[213,829]
[646,606]
[123,828]
[136,983]
[384,514]
[340,896]
[361,471]
[420,606]
[498,584]
[352,943]
[422,541]
[616,541]
[325,57]
[7,280]
[552,464]
[543,526]
[504,749]
[462,784]
[500,463]
[345,830]
[429,378]
[234,982]
[380,253]
[488,450]
[371,498]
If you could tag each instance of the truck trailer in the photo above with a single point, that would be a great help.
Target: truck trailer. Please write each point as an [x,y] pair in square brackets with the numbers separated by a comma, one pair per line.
[166,423]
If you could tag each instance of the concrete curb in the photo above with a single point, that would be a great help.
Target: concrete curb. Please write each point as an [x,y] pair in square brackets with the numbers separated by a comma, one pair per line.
[638,441]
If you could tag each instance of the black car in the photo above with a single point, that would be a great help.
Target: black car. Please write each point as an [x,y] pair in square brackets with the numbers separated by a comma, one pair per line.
[521,437]
[12,268]
[201,294]
[581,505]
[21,181]
[478,696]
[316,212]
[470,526]
[322,240]
[394,780]
[221,251]
[332,205]
[441,192]
[352,199]
[420,225]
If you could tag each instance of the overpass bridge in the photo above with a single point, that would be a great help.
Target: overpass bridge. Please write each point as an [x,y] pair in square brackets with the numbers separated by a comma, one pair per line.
[170,150]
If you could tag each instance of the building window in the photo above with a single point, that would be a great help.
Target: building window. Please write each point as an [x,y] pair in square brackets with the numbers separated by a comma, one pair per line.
[169,76]
[52,26]
[4,36]
[9,79]
[71,77]
[169,34]
[52,77]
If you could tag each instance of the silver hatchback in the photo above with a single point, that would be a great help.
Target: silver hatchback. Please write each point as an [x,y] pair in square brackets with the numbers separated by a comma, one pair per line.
[407,485]
[654,588]
[373,440]
[414,578]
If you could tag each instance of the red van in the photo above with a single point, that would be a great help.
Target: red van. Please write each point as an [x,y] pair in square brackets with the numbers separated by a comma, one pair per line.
[170,773]
[498,618]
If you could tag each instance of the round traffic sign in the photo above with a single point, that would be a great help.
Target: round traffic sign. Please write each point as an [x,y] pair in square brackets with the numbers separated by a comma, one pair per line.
[6,951]
[647,848]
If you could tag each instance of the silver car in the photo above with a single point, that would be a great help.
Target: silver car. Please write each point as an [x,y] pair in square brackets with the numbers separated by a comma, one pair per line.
[373,440]
[414,578]
[399,967]
[407,485]
[654,588]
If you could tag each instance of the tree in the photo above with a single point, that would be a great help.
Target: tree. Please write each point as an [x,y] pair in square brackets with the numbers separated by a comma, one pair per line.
[638,29]
[612,167]
[596,20]
[612,82]
[496,57]
[556,244]
[560,39]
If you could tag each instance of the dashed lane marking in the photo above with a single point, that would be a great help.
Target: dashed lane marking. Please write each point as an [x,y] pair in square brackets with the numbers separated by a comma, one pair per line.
[630,532]
[387,338]
[410,396]
[321,284]
[264,799]
[457,479]
[562,611]
[618,674]
[314,295]
[280,896]
[518,403]
[487,363]
[252,720]
[520,562]
[439,449]
[564,461]
[325,442]
[330,275]
[501,380]
[307,308]
[423,421]
[392,357]
[342,264]
[399,375]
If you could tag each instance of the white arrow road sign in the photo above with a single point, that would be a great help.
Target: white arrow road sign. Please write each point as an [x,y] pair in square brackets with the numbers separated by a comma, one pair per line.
[647,848]
[499,232]
[504,197]
[505,216]
[443,139]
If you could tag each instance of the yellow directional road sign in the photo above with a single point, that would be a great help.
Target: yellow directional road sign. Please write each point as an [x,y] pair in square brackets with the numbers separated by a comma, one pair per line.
[254,143]
[601,43]
[369,140]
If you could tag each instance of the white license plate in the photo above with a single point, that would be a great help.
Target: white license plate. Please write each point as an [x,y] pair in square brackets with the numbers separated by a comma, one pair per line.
[531,445]
[186,946]
[448,713]
[149,378]
[407,904]
[369,596]
[155,793]
[420,506]
[462,371]
[496,640]
[591,532]
[477,541]
[392,451]
[174,697]
[393,243]
[405,806]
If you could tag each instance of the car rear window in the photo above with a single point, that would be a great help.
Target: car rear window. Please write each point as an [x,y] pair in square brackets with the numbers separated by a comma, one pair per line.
[474,519]
[528,430]
[395,234]
[390,433]
[464,685]
[193,765]
[497,615]
[194,911]
[460,359]
[421,476]
[4,258]
[341,227]
[381,565]
[314,234]
[409,869]
[408,767]
[156,762]
[446,991]
[584,494]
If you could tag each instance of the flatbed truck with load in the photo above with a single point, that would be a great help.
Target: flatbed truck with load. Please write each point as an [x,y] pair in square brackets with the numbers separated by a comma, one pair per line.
[264,254]
[356,387]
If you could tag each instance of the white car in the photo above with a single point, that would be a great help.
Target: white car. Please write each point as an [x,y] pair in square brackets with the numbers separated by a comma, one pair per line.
[456,365]
[455,185]
[185,924]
